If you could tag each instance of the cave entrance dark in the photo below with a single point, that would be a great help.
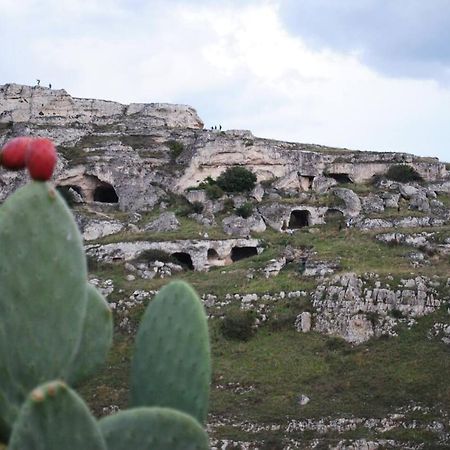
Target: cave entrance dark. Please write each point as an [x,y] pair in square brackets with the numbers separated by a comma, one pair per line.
[238,253]
[335,218]
[341,178]
[212,255]
[299,218]
[105,193]
[184,259]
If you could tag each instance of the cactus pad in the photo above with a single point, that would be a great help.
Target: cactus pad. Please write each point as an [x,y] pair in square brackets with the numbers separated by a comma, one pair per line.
[171,365]
[42,292]
[54,418]
[96,339]
[153,429]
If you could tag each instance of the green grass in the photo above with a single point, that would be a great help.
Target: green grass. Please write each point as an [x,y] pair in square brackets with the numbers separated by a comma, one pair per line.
[371,380]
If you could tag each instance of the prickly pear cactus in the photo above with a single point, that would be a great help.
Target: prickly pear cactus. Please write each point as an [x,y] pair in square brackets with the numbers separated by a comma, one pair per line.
[53,417]
[171,366]
[54,325]
[43,295]
[153,429]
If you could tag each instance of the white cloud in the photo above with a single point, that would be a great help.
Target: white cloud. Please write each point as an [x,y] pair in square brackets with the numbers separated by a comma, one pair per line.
[237,64]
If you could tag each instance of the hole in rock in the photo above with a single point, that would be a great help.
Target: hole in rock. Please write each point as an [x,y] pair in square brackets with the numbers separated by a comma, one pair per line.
[299,218]
[105,193]
[184,259]
[238,253]
[212,255]
[341,178]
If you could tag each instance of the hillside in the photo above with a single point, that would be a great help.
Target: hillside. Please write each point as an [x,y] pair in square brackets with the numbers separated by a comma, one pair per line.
[327,284]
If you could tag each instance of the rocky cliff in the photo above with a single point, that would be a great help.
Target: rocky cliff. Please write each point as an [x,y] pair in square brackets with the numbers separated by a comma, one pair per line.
[140,149]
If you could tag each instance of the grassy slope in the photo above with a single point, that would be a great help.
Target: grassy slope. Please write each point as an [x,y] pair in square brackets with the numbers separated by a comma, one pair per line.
[371,380]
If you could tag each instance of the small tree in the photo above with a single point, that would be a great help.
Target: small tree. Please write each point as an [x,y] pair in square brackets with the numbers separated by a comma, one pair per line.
[237,179]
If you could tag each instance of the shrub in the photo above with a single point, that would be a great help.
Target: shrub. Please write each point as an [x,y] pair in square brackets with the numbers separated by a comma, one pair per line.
[176,149]
[238,325]
[155,255]
[245,210]
[237,179]
[403,173]
[213,191]
[228,204]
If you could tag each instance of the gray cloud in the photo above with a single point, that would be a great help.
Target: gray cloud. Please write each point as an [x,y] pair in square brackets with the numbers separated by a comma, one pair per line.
[398,37]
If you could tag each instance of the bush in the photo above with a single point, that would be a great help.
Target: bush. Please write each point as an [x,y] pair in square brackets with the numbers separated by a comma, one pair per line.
[228,204]
[213,192]
[403,173]
[176,149]
[245,210]
[151,255]
[237,179]
[238,325]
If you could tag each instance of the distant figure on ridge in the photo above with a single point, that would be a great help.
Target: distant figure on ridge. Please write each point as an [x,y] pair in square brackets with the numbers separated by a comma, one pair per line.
[38,82]
[220,127]
[49,85]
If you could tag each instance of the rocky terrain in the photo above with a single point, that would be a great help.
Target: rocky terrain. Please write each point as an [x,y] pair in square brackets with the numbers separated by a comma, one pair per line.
[328,300]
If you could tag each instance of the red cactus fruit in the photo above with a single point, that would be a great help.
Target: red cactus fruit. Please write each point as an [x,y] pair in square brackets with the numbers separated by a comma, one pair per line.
[13,154]
[41,159]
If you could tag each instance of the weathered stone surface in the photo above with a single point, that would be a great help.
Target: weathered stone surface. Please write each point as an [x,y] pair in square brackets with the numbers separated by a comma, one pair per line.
[303,322]
[405,222]
[203,253]
[128,147]
[351,200]
[257,193]
[167,221]
[357,308]
[390,199]
[38,104]
[273,268]
[372,203]
[238,226]
[322,184]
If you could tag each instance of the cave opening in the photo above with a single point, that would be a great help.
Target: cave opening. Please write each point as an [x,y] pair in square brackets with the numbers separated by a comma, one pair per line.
[105,193]
[238,253]
[341,178]
[212,255]
[184,259]
[299,218]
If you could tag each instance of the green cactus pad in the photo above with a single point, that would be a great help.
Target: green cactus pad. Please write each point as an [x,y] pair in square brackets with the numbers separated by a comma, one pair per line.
[54,418]
[171,365]
[153,429]
[42,292]
[96,339]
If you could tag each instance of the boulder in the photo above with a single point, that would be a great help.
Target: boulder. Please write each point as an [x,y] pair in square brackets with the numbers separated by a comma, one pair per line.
[167,221]
[351,200]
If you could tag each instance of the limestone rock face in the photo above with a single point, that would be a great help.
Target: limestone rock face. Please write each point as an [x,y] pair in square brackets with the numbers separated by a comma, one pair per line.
[352,201]
[37,104]
[372,204]
[357,308]
[238,226]
[202,254]
[167,221]
[144,151]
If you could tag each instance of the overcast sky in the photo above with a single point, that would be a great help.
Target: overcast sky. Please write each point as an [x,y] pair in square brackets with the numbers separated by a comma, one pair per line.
[361,74]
